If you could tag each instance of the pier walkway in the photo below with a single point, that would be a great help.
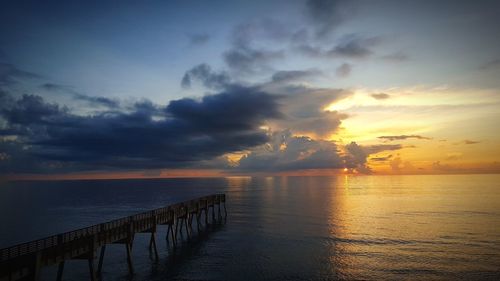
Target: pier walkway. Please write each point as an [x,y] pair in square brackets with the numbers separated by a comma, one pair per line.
[24,261]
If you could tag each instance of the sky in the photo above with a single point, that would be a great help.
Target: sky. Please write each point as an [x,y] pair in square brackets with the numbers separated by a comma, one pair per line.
[120,89]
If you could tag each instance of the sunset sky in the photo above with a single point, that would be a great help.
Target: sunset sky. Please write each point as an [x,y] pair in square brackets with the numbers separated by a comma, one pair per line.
[115,89]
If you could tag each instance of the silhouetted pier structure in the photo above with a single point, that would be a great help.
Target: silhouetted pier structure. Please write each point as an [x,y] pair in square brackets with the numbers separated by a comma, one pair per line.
[24,261]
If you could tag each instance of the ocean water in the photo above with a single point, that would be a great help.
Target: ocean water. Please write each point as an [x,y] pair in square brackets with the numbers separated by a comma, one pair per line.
[281,228]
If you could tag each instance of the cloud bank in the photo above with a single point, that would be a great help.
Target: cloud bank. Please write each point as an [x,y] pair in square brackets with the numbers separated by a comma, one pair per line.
[38,136]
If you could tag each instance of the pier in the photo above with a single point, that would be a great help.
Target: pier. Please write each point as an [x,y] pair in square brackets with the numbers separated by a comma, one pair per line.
[24,261]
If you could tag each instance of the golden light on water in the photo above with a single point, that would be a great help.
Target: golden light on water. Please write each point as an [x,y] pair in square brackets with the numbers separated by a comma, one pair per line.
[369,223]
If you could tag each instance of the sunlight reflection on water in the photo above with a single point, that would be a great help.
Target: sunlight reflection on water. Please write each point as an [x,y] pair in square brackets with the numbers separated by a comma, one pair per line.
[286,228]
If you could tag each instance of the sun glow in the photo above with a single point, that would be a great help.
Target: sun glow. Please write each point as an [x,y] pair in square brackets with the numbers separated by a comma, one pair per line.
[440,115]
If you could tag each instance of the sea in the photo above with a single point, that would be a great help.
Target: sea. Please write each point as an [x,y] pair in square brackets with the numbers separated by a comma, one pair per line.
[344,227]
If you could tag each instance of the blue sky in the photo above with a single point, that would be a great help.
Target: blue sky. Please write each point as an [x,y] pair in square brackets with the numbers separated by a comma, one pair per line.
[330,52]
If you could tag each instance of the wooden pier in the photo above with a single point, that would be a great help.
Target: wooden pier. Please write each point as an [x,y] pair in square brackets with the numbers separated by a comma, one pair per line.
[24,261]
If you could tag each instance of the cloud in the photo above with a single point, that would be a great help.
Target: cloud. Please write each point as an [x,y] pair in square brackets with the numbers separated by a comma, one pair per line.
[50,138]
[327,15]
[245,58]
[207,76]
[350,46]
[471,142]
[493,64]
[403,137]
[356,157]
[286,152]
[355,46]
[29,110]
[310,50]
[343,70]
[396,57]
[10,74]
[381,159]
[442,167]
[380,96]
[17,158]
[92,100]
[285,76]
[322,125]
[304,107]
[198,39]
[55,87]
[249,60]
[372,149]
[304,110]
[396,164]
[190,133]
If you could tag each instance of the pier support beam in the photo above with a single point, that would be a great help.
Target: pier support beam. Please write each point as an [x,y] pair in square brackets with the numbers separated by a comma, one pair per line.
[152,244]
[101,260]
[225,210]
[60,270]
[92,270]
[170,231]
[129,258]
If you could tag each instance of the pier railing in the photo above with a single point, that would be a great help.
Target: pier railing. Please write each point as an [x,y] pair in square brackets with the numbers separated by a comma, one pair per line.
[23,261]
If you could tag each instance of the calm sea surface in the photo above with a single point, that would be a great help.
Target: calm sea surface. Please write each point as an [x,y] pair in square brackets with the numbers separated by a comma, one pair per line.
[282,228]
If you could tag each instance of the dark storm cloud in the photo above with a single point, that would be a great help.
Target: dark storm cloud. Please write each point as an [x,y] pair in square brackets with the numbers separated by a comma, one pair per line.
[92,100]
[380,96]
[239,108]
[343,70]
[51,138]
[205,74]
[15,158]
[198,39]
[403,137]
[9,74]
[28,110]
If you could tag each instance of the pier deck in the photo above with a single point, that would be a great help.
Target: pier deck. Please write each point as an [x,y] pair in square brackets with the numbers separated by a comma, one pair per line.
[23,261]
